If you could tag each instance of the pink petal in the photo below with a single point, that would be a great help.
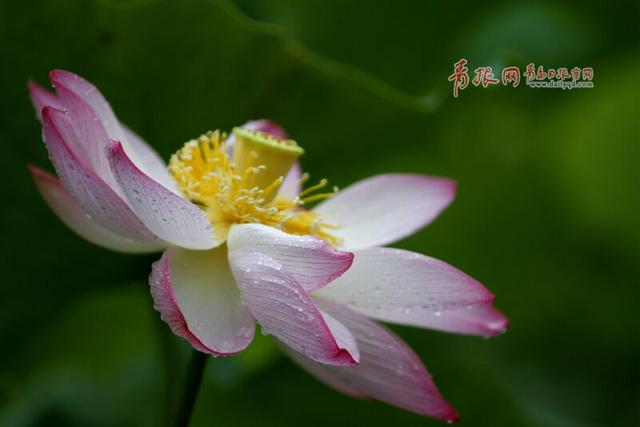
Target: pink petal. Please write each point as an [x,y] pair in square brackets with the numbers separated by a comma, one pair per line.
[164,301]
[291,186]
[285,311]
[40,97]
[83,132]
[343,337]
[153,165]
[477,319]
[310,261]
[404,287]
[94,196]
[267,126]
[70,212]
[168,215]
[67,83]
[261,125]
[385,208]
[96,124]
[197,297]
[388,371]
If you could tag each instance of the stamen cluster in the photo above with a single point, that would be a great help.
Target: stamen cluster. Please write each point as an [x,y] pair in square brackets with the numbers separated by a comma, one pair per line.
[208,178]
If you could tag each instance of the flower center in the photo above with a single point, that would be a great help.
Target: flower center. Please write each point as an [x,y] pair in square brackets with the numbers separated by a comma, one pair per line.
[245,190]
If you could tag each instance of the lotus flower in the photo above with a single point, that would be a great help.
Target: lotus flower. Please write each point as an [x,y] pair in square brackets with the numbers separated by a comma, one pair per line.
[241,246]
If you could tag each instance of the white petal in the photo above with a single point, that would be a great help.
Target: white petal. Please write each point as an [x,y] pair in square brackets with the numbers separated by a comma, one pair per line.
[308,259]
[343,336]
[91,95]
[96,124]
[285,311]
[168,215]
[385,208]
[151,162]
[388,371]
[196,295]
[96,198]
[408,288]
[291,185]
[85,135]
[477,319]
[70,212]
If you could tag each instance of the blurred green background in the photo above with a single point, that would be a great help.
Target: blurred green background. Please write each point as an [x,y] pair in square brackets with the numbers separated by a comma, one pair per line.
[546,214]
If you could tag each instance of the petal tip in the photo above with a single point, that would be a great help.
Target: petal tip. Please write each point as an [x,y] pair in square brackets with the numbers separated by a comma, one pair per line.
[497,326]
[489,298]
[67,80]
[346,258]
[501,326]
[450,187]
[33,86]
[40,176]
[34,170]
[48,112]
[345,358]
[114,148]
[453,187]
[57,75]
[443,410]
[49,121]
[453,418]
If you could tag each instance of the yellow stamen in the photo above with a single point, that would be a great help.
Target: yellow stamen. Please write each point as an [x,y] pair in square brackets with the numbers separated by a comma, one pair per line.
[323,183]
[316,197]
[232,194]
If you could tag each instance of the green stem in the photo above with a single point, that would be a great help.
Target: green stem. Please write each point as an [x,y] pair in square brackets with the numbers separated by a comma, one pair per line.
[171,367]
[191,386]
